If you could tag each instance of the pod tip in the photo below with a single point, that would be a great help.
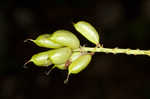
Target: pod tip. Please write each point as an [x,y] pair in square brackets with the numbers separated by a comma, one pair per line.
[49,71]
[67,79]
[25,64]
[28,40]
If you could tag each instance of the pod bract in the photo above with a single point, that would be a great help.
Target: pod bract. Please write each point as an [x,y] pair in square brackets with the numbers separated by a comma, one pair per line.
[41,59]
[45,41]
[88,31]
[60,55]
[66,38]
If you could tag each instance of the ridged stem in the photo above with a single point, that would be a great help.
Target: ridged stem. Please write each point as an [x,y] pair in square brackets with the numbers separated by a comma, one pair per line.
[115,50]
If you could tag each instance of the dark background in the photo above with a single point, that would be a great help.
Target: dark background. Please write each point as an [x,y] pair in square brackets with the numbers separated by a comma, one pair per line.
[121,23]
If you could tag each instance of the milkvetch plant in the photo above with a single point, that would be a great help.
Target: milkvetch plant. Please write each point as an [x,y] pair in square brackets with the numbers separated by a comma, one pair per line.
[66,53]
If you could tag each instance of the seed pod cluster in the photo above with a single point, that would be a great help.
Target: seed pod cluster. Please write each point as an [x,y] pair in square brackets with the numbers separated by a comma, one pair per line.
[61,42]
[62,54]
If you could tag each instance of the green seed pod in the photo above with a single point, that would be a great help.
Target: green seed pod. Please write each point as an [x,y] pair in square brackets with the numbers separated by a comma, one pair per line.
[41,59]
[88,31]
[78,65]
[45,41]
[61,66]
[73,57]
[66,38]
[64,66]
[60,55]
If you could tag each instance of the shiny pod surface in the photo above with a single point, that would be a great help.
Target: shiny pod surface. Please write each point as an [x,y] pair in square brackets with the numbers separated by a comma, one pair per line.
[79,64]
[61,66]
[73,57]
[41,59]
[60,55]
[88,31]
[66,38]
[45,41]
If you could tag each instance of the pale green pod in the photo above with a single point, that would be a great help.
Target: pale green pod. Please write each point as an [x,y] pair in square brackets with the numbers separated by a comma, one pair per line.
[79,64]
[45,41]
[88,31]
[61,66]
[60,55]
[66,38]
[41,59]
[64,66]
[73,57]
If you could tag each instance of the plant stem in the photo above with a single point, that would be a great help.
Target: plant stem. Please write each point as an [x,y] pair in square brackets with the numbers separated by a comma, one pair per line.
[115,50]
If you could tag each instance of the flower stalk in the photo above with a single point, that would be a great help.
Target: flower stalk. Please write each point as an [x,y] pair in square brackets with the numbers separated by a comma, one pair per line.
[115,50]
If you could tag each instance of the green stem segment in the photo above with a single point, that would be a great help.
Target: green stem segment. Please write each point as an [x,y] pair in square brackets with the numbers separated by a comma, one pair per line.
[116,50]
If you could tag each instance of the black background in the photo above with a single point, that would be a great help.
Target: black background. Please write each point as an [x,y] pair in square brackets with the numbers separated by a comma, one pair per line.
[121,23]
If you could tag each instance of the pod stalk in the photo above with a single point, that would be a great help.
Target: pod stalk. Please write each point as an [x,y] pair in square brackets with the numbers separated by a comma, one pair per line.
[49,71]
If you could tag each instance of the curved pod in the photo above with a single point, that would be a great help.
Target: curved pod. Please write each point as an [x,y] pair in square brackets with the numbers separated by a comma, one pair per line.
[73,57]
[79,64]
[66,38]
[41,59]
[88,31]
[60,55]
[45,41]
